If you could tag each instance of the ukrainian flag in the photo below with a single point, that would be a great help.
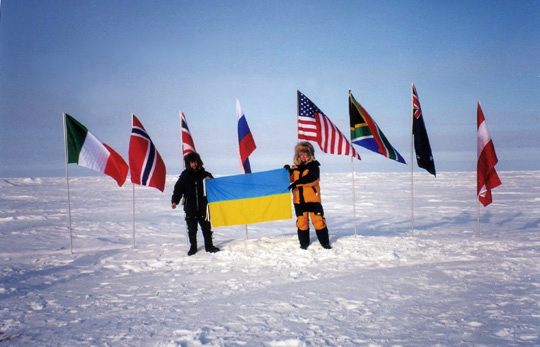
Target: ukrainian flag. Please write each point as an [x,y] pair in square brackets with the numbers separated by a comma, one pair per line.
[249,198]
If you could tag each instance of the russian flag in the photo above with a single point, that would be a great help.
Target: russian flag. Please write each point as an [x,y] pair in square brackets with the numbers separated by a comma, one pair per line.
[246,199]
[246,144]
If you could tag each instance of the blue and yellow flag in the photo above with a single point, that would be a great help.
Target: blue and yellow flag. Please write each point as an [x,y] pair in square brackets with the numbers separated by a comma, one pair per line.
[249,198]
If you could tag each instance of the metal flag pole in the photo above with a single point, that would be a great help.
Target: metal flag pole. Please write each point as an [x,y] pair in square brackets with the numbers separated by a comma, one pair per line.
[180,113]
[354,195]
[477,216]
[133,216]
[353,186]
[412,164]
[476,199]
[67,182]
[477,203]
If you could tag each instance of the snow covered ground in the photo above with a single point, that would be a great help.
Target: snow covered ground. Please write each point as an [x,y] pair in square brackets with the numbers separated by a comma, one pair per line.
[447,284]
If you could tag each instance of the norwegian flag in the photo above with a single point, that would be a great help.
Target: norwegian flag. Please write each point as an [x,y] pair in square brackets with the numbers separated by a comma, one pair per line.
[314,125]
[188,145]
[145,164]
[487,178]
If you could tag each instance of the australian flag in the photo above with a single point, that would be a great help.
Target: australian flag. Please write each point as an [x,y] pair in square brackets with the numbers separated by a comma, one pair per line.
[424,158]
[145,164]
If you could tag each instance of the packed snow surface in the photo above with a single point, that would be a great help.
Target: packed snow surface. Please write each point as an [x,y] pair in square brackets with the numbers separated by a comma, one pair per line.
[452,281]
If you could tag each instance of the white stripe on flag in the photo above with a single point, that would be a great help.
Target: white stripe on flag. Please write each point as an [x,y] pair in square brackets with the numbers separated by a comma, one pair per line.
[187,148]
[308,126]
[308,133]
[483,138]
[93,154]
[306,119]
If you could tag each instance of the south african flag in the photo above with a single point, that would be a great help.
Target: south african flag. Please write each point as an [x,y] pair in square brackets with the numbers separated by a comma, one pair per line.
[366,133]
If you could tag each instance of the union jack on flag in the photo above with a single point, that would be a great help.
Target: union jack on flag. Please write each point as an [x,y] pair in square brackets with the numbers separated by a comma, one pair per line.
[145,164]
[188,145]
[314,125]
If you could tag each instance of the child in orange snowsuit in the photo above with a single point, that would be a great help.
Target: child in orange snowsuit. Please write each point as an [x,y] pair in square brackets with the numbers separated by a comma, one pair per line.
[304,177]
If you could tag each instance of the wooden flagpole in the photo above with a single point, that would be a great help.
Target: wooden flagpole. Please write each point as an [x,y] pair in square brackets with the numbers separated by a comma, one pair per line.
[67,182]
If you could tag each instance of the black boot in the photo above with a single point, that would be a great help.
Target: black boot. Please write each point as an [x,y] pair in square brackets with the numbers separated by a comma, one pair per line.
[324,240]
[193,243]
[208,244]
[303,237]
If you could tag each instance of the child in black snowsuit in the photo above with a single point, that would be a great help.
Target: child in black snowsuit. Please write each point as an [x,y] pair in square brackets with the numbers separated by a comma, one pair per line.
[190,186]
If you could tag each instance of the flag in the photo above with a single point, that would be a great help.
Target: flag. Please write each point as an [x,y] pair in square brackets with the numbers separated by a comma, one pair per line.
[246,144]
[84,149]
[487,178]
[424,157]
[145,163]
[246,199]
[314,125]
[188,145]
[366,133]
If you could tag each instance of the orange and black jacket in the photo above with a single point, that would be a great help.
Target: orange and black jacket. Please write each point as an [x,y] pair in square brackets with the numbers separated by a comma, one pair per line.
[305,183]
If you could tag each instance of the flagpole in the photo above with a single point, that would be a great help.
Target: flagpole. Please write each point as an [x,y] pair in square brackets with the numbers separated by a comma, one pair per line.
[67,182]
[354,196]
[412,164]
[477,215]
[477,203]
[133,215]
[353,187]
[180,113]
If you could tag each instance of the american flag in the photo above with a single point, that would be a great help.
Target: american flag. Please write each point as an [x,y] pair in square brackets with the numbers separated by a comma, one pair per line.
[188,145]
[145,164]
[314,125]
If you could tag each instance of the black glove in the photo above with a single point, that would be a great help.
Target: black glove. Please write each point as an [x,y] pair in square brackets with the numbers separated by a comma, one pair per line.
[291,186]
[287,167]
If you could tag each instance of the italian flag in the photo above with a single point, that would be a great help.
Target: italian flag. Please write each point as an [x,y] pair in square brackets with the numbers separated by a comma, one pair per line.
[84,149]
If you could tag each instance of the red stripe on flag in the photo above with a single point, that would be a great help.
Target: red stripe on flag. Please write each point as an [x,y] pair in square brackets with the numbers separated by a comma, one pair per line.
[116,166]
[487,177]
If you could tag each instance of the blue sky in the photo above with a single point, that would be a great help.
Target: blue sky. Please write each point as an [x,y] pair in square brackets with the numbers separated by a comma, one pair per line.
[102,60]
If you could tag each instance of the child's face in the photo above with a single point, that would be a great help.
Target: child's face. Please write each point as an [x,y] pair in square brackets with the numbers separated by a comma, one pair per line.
[303,157]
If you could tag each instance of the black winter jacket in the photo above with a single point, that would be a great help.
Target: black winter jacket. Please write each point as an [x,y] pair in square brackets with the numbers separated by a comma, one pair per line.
[190,186]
